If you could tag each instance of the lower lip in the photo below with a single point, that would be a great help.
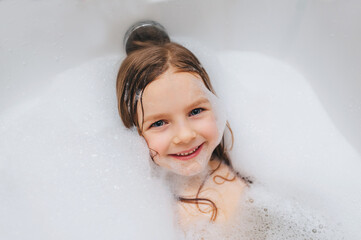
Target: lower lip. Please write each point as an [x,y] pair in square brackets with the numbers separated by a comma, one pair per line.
[188,157]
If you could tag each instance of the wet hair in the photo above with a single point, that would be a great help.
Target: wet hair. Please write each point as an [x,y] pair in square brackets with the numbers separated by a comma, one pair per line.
[143,65]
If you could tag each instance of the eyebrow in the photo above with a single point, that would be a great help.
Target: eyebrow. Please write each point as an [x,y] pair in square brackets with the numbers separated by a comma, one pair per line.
[150,118]
[200,101]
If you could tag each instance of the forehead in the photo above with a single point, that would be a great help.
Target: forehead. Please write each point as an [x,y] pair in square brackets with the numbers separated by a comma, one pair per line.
[171,91]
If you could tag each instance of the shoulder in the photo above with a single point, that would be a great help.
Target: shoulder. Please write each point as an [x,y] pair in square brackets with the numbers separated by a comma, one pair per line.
[223,188]
[231,188]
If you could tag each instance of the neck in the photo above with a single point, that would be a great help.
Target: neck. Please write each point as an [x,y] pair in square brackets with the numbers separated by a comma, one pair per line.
[184,186]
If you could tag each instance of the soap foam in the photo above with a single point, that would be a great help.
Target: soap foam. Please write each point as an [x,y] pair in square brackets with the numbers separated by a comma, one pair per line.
[68,168]
[264,215]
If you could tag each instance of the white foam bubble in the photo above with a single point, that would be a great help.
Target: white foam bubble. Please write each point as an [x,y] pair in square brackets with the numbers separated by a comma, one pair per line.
[68,168]
[265,215]
[285,139]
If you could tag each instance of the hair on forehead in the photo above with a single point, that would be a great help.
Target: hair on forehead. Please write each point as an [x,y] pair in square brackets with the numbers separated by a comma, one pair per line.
[143,66]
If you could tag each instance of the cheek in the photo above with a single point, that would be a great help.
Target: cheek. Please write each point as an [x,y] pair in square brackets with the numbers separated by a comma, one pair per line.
[208,128]
[157,142]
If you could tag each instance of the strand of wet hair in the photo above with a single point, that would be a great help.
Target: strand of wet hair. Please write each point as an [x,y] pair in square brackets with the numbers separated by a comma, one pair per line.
[197,200]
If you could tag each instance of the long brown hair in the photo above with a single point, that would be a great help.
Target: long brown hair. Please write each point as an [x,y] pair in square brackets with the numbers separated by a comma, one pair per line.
[143,66]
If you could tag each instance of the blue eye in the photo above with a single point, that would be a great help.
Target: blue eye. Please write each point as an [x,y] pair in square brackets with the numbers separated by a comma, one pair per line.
[196,111]
[158,123]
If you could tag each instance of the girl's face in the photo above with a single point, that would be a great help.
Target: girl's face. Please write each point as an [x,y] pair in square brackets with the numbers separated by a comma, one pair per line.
[179,126]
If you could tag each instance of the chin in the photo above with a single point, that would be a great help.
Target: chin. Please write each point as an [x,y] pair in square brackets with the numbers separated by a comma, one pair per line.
[191,174]
[197,170]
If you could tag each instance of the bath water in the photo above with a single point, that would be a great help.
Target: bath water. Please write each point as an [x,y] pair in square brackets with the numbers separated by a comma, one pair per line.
[70,170]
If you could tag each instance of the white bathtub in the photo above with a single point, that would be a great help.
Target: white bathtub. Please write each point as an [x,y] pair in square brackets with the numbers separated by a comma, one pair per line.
[321,39]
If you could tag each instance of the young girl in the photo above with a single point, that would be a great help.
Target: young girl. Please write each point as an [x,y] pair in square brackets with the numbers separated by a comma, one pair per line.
[164,92]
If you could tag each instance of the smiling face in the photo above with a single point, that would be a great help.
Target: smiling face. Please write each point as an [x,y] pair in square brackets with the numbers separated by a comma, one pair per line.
[179,124]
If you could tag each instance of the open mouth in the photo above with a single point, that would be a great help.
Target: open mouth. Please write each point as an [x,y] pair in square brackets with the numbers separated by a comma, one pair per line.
[188,155]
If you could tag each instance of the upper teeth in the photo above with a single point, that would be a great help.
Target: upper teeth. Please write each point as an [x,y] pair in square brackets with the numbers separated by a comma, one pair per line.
[185,154]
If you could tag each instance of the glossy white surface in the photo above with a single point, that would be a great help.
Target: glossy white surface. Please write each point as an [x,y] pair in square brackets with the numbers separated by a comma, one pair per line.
[321,39]
[41,39]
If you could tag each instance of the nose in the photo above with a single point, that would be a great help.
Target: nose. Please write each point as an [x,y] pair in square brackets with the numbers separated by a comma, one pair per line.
[185,134]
